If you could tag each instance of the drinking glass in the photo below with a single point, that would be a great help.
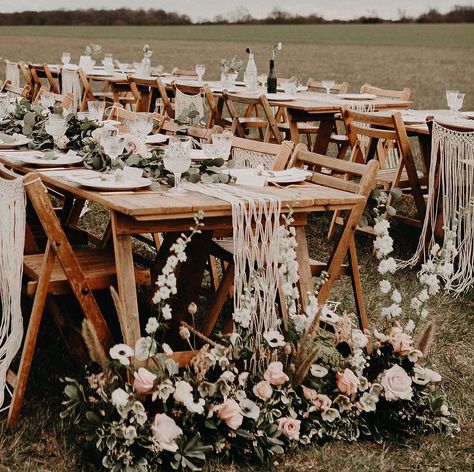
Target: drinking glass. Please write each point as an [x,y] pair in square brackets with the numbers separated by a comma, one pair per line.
[222,144]
[455,101]
[112,143]
[4,104]
[123,66]
[290,87]
[141,126]
[177,159]
[96,110]
[200,70]
[55,126]
[328,85]
[66,58]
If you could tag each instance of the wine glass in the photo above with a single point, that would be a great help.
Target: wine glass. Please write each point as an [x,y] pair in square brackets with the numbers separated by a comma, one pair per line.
[141,126]
[123,66]
[96,110]
[328,85]
[222,144]
[200,70]
[455,101]
[112,143]
[47,100]
[66,58]
[55,126]
[177,159]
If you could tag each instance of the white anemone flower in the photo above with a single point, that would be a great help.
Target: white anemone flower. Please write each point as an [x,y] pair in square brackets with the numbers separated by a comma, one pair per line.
[121,353]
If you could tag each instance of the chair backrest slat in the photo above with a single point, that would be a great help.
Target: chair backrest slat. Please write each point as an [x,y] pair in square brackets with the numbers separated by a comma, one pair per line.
[20,91]
[385,93]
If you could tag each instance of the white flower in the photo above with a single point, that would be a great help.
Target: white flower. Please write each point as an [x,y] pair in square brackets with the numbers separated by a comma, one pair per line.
[227,376]
[145,348]
[120,397]
[383,246]
[197,407]
[250,409]
[444,410]
[263,390]
[358,339]
[164,390]
[445,270]
[434,249]
[410,326]
[380,336]
[387,265]
[318,371]
[167,350]
[415,355]
[416,303]
[166,312]
[183,392]
[392,311]
[385,286]
[423,375]
[242,317]
[396,297]
[130,434]
[274,338]
[423,296]
[165,432]
[151,325]
[431,281]
[62,142]
[381,227]
[121,353]
[184,333]
[368,401]
[330,415]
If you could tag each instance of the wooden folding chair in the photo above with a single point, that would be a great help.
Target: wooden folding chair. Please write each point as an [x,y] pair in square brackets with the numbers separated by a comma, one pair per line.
[386,93]
[242,124]
[65,100]
[273,156]
[59,271]
[200,133]
[39,72]
[385,138]
[147,92]
[25,72]
[18,91]
[349,177]
[177,72]
[317,86]
[90,95]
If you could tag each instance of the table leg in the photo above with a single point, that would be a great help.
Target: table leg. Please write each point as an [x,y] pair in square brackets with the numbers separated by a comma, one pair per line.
[306,284]
[326,128]
[128,311]
[294,134]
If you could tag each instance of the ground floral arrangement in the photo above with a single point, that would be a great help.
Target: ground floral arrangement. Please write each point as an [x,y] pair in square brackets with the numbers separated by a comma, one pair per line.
[140,411]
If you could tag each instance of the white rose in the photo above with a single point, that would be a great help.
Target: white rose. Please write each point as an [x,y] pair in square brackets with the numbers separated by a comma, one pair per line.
[165,432]
[120,397]
[396,384]
[183,393]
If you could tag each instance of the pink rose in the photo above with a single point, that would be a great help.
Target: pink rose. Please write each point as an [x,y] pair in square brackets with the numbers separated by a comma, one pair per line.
[320,401]
[165,432]
[263,390]
[347,382]
[62,142]
[134,145]
[396,384]
[275,375]
[144,380]
[290,428]
[230,413]
[400,341]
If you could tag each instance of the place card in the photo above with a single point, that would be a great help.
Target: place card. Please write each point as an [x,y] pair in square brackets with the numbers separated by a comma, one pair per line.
[132,173]
[252,180]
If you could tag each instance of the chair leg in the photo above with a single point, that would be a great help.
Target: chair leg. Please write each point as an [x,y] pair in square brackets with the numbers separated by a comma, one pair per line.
[30,338]
[213,272]
[357,287]
[218,301]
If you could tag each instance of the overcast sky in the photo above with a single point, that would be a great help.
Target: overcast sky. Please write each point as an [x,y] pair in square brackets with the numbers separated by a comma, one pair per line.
[197,9]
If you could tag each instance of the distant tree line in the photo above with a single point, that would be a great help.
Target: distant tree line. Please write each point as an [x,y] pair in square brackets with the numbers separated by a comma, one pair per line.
[125,16]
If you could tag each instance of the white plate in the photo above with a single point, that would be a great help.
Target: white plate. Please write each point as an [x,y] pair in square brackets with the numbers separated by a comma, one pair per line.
[37,159]
[468,114]
[156,138]
[357,96]
[104,183]
[280,96]
[290,176]
[198,155]
[20,141]
[101,73]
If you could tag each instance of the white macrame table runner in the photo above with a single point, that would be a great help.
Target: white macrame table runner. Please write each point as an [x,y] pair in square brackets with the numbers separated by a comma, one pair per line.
[453,153]
[12,73]
[12,237]
[255,222]
[72,84]
[186,103]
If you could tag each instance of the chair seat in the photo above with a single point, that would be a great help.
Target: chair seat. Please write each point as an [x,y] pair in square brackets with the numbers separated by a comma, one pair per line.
[385,177]
[249,122]
[98,267]
[302,126]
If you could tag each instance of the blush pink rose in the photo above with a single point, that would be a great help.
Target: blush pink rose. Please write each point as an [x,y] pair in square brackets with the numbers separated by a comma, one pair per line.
[320,401]
[400,341]
[290,428]
[230,413]
[144,380]
[396,384]
[134,145]
[275,375]
[165,432]
[347,382]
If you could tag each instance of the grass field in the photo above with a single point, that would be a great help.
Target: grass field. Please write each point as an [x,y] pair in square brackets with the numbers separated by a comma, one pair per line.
[427,58]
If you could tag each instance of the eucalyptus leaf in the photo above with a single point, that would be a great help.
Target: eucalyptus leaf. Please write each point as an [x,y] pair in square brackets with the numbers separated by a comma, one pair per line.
[207,179]
[30,119]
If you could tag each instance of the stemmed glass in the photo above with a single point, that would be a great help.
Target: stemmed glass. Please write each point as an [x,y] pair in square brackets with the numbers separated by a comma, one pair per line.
[96,110]
[66,58]
[112,143]
[200,70]
[177,159]
[55,126]
[47,100]
[141,126]
[4,104]
[328,85]
[222,145]
[455,100]
[123,66]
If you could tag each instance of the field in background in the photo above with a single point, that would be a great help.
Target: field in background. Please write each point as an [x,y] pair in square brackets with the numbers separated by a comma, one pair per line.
[427,58]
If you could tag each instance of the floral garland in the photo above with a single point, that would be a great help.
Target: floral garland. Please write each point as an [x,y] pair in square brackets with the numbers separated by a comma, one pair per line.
[142,411]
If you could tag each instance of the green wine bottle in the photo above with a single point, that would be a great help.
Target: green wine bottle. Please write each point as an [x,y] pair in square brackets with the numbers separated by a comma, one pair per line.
[272,78]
